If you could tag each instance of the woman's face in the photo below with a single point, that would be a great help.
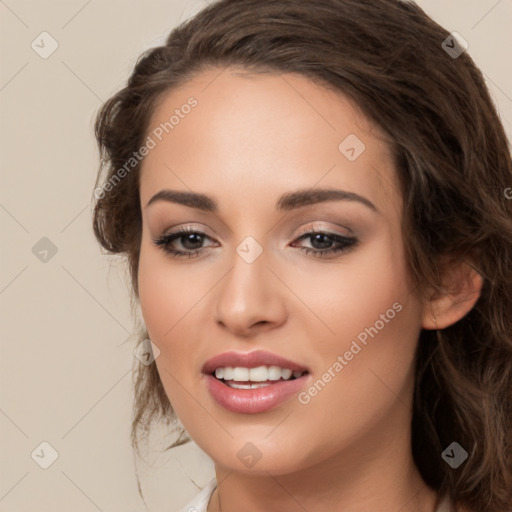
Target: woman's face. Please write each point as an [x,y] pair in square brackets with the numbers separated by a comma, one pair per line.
[296,253]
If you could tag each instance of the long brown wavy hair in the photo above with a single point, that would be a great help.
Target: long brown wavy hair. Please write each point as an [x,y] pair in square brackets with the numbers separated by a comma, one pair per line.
[454,165]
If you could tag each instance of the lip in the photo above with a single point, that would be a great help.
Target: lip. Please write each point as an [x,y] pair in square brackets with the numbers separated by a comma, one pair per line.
[252,401]
[250,360]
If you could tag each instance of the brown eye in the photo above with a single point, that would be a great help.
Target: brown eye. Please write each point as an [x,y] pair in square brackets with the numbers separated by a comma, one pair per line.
[185,242]
[324,244]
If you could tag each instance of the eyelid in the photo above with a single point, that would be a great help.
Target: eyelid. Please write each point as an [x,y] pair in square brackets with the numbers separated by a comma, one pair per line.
[192,227]
[309,228]
[315,228]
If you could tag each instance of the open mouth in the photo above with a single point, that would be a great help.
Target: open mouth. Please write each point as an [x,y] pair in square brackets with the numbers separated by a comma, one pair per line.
[253,378]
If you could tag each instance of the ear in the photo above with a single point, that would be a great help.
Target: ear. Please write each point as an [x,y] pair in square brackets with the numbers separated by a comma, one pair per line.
[461,288]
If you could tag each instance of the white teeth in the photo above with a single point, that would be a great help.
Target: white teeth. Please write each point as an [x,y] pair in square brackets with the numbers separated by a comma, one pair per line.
[258,374]
[274,372]
[286,373]
[240,374]
[248,386]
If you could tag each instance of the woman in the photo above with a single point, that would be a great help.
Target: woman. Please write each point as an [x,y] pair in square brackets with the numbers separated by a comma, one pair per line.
[312,200]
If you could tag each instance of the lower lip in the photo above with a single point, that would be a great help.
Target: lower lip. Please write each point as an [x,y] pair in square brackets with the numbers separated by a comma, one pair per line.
[251,401]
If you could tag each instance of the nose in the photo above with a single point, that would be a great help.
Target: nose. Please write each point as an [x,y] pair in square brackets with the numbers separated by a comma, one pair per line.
[250,299]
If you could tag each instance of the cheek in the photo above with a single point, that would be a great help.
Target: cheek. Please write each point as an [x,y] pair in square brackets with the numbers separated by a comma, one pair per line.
[166,293]
[155,300]
[167,297]
[365,288]
[172,296]
[371,320]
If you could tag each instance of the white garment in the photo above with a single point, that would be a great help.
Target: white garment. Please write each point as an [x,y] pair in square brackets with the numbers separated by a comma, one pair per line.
[200,502]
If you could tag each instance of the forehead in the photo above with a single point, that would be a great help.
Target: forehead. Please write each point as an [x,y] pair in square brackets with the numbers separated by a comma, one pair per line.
[251,134]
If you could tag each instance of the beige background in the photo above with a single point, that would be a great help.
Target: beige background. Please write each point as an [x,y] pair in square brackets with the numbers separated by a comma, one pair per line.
[66,352]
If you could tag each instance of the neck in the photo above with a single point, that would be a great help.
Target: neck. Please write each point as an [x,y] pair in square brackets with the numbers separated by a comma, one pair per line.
[375,472]
[290,494]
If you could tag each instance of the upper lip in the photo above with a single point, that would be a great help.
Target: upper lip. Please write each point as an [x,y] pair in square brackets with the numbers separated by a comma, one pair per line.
[250,360]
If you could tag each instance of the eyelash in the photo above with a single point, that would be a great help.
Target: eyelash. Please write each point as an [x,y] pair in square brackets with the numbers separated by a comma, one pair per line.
[346,243]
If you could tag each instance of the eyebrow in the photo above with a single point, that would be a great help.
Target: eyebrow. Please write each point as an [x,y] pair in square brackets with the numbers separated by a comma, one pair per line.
[287,202]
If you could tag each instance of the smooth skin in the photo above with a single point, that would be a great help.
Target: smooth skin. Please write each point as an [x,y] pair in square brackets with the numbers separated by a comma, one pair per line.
[250,140]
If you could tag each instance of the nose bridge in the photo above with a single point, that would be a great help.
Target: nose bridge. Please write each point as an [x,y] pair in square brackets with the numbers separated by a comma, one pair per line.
[249,294]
